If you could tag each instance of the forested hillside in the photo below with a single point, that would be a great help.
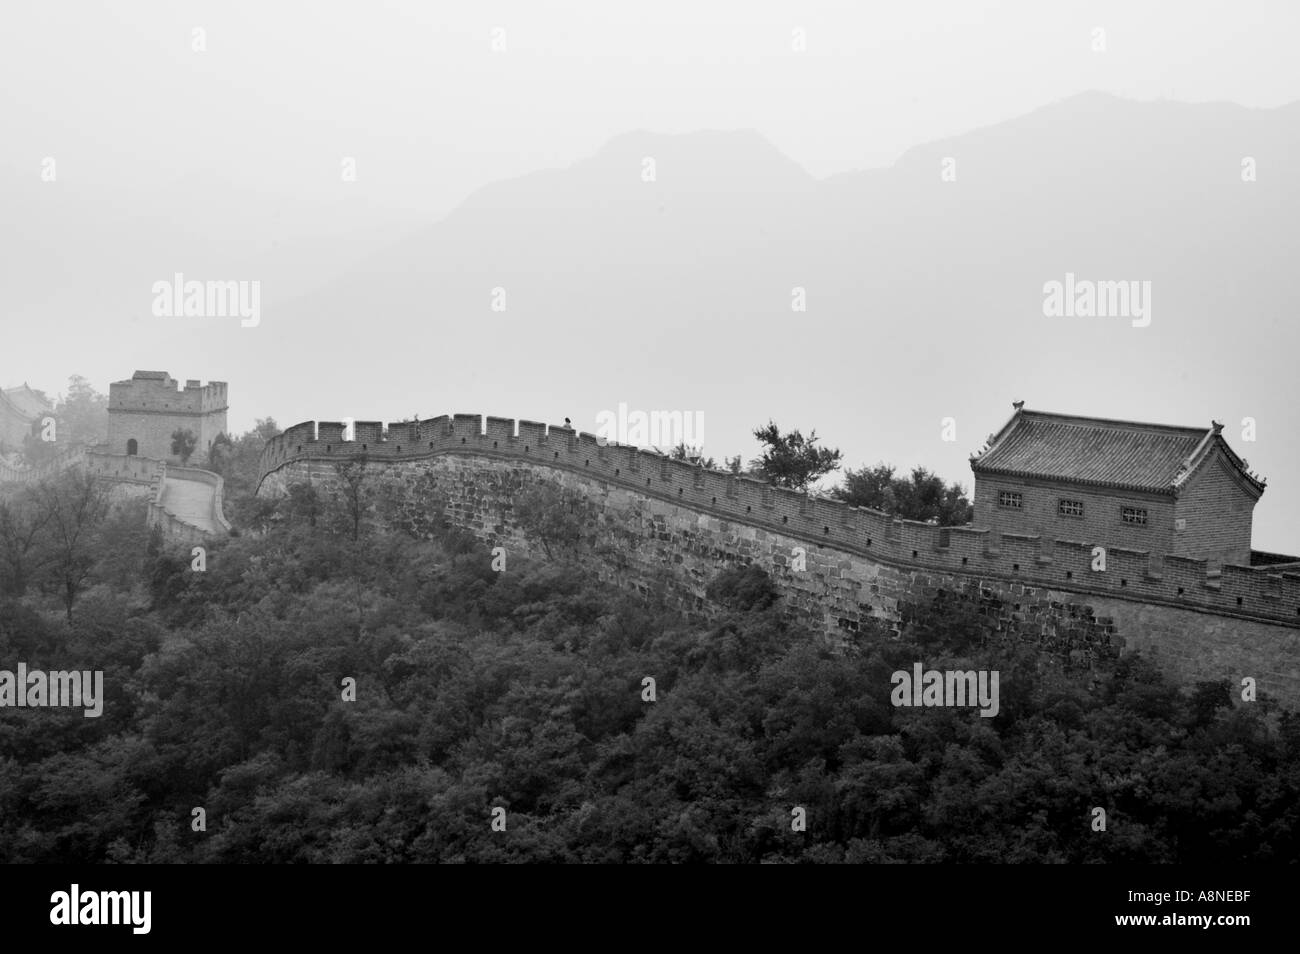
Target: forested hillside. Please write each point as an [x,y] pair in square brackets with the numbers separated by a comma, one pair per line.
[525,690]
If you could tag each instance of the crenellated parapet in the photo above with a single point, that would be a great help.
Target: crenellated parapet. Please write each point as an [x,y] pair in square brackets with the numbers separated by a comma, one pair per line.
[1257,593]
[157,391]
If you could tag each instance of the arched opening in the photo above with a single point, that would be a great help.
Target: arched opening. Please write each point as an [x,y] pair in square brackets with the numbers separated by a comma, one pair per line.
[132,448]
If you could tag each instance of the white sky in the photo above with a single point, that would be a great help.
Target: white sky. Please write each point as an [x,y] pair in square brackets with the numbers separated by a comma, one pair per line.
[416,94]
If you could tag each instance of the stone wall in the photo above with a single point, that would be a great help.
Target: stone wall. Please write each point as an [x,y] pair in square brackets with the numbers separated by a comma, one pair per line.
[1029,558]
[648,536]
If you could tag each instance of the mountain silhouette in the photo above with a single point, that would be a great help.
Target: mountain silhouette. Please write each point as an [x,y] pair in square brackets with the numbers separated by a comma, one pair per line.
[924,297]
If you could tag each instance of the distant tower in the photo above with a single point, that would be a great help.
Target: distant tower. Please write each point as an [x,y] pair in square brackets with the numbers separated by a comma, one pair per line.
[145,411]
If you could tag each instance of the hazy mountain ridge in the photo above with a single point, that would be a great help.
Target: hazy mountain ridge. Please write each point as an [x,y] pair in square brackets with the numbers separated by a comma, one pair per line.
[926,290]
[924,297]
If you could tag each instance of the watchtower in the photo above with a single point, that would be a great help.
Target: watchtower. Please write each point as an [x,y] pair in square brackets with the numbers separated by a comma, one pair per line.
[146,410]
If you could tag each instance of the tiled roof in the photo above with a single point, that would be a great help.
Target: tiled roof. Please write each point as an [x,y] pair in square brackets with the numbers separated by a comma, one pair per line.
[1087,450]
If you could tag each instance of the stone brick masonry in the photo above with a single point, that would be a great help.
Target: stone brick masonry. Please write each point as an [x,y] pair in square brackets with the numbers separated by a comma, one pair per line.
[146,409]
[670,526]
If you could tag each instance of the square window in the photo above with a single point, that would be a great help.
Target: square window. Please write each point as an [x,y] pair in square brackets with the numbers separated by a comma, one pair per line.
[1134,515]
[1010,499]
[1070,508]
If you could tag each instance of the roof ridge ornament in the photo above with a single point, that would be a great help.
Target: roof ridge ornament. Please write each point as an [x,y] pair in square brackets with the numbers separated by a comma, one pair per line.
[1018,404]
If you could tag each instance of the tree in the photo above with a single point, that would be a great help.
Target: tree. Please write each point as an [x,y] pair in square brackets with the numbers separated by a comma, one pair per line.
[72,505]
[21,526]
[352,481]
[302,502]
[743,588]
[551,516]
[37,450]
[183,444]
[265,428]
[869,487]
[238,461]
[82,414]
[1207,697]
[221,455]
[792,460]
[919,496]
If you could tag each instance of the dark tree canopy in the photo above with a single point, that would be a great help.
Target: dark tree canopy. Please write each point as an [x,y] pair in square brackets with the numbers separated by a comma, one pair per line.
[184,443]
[919,496]
[792,460]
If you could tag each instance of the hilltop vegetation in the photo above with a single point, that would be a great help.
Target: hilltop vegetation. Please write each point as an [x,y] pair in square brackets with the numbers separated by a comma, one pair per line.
[525,690]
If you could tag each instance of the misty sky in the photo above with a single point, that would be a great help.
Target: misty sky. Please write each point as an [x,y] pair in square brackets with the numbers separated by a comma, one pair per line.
[232,156]
[415,92]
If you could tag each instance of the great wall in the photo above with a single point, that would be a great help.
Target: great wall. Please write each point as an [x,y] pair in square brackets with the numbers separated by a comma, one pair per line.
[672,525]
[185,503]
